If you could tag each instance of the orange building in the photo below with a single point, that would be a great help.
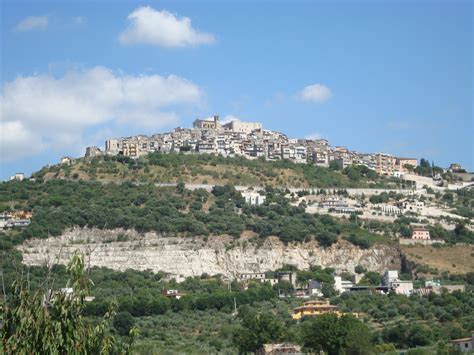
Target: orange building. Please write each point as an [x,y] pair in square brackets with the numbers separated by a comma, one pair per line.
[314,308]
[420,234]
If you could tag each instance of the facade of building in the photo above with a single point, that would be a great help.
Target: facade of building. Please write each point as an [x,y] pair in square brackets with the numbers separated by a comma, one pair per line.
[67,160]
[18,177]
[92,152]
[385,164]
[465,344]
[341,285]
[253,198]
[420,234]
[402,164]
[314,309]
[242,127]
[411,205]
[392,281]
[402,287]
[208,123]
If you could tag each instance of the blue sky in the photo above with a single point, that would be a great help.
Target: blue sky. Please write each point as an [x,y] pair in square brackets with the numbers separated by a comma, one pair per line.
[394,76]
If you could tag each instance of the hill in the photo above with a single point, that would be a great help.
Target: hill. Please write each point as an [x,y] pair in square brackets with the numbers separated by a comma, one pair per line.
[211,169]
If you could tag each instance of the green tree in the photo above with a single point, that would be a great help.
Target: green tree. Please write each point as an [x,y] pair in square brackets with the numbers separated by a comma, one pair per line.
[43,322]
[335,335]
[257,329]
[123,322]
[371,278]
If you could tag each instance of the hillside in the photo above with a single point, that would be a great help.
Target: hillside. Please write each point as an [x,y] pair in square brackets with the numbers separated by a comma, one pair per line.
[141,238]
[454,259]
[210,169]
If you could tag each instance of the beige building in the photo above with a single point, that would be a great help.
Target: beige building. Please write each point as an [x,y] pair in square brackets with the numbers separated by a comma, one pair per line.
[130,148]
[207,123]
[401,162]
[242,127]
[385,164]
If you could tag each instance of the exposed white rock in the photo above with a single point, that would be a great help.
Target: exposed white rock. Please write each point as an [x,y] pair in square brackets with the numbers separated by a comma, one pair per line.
[193,256]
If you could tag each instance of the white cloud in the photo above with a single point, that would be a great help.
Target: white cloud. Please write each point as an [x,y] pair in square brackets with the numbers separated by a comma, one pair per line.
[32,23]
[17,141]
[230,118]
[315,93]
[162,28]
[44,112]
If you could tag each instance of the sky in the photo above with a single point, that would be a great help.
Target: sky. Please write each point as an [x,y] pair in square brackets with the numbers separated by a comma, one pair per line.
[392,76]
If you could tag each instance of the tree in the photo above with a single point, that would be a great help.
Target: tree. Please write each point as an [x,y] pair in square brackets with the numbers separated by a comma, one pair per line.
[336,334]
[123,322]
[335,165]
[256,329]
[180,187]
[43,322]
[371,278]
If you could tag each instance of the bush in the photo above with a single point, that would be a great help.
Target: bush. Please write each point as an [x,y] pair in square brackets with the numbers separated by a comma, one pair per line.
[123,322]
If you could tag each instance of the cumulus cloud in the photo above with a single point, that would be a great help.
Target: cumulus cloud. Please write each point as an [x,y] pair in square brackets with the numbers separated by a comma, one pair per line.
[229,118]
[32,23]
[315,93]
[162,28]
[43,112]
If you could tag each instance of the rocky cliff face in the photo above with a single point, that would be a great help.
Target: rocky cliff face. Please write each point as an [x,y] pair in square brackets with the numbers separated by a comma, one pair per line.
[180,256]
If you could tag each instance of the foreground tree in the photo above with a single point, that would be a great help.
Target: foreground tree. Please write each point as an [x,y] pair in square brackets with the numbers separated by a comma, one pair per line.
[256,329]
[335,335]
[42,322]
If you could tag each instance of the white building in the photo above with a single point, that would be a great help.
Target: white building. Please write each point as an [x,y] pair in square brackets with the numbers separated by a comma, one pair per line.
[67,160]
[389,277]
[253,198]
[341,285]
[402,287]
[18,177]
[464,344]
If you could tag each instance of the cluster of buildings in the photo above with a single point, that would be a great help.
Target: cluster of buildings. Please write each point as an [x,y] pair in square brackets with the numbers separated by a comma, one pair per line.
[281,276]
[15,219]
[391,282]
[251,140]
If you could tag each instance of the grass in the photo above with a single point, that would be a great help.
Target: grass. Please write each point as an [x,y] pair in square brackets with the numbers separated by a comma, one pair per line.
[454,259]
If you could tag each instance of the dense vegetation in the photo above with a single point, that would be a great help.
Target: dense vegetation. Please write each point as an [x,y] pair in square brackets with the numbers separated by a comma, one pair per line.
[58,204]
[206,168]
[202,320]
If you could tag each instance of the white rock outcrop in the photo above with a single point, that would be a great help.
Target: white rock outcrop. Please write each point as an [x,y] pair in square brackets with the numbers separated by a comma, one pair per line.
[193,256]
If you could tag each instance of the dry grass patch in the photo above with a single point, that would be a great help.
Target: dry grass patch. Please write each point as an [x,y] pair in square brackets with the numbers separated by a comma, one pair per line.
[455,259]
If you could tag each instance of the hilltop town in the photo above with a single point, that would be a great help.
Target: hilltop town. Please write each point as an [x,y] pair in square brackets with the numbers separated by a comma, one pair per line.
[251,140]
